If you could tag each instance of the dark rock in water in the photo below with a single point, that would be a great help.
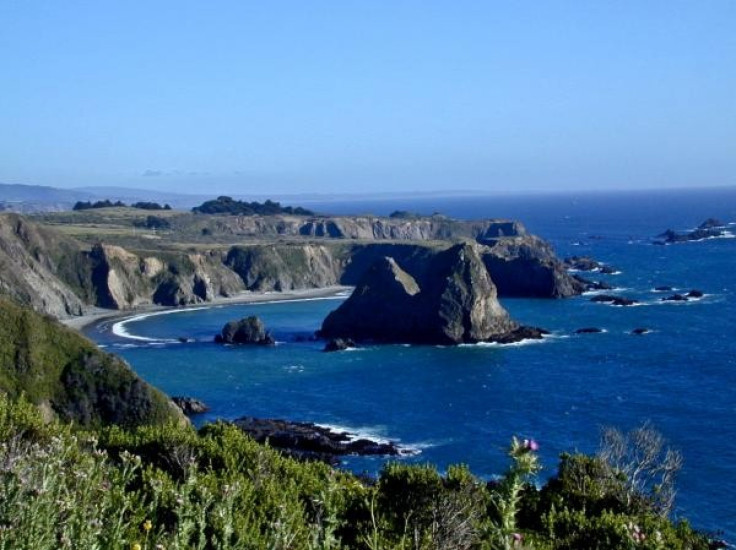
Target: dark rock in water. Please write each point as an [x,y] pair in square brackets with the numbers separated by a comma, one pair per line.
[588,330]
[613,300]
[710,223]
[624,302]
[640,331]
[586,263]
[604,298]
[663,289]
[339,344]
[695,294]
[708,229]
[581,263]
[519,334]
[448,299]
[675,298]
[185,339]
[190,405]
[593,285]
[249,330]
[311,442]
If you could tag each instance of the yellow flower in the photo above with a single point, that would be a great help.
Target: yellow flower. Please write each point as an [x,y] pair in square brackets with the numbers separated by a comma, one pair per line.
[135,546]
[147,525]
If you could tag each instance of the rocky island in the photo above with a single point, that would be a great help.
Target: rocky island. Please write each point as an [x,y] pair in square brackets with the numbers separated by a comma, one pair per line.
[709,229]
[449,299]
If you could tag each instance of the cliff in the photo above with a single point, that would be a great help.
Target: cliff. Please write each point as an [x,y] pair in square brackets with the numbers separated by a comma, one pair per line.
[41,268]
[449,299]
[68,377]
[367,228]
[124,279]
[56,274]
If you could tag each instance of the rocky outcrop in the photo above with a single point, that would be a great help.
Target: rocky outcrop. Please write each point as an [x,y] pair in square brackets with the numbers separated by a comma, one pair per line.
[527,267]
[249,330]
[286,266]
[55,274]
[585,263]
[709,229]
[38,268]
[450,299]
[365,228]
[339,344]
[613,300]
[125,280]
[190,405]
[308,441]
[692,295]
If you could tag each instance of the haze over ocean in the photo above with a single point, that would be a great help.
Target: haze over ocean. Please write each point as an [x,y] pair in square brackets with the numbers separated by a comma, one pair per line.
[463,404]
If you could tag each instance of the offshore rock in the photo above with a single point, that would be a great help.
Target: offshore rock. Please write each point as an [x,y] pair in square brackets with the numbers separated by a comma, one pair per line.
[339,344]
[613,300]
[709,229]
[588,330]
[519,334]
[249,330]
[190,405]
[448,299]
[309,441]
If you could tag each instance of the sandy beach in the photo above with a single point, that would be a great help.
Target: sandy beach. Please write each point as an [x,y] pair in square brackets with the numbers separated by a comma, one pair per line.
[97,314]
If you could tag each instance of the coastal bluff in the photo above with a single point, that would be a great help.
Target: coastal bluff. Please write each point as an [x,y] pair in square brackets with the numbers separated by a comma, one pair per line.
[43,266]
[448,299]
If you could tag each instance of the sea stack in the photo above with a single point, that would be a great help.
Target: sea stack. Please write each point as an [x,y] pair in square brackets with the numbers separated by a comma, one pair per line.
[449,299]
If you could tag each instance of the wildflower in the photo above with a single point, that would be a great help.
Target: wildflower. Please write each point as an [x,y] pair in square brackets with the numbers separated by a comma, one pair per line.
[136,546]
[517,538]
[530,445]
[147,525]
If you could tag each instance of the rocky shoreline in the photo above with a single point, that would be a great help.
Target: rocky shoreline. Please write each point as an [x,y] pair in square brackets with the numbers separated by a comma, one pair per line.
[308,441]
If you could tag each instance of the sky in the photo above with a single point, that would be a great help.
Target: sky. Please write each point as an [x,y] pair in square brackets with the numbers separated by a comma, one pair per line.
[368,96]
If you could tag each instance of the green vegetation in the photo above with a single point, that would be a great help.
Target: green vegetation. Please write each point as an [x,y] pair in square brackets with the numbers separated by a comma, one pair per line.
[87,205]
[173,487]
[228,205]
[107,203]
[59,370]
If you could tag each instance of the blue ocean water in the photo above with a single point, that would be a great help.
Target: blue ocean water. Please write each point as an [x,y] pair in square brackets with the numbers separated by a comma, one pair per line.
[463,404]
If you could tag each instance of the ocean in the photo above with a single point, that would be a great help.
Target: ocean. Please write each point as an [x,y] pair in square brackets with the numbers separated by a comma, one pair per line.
[462,404]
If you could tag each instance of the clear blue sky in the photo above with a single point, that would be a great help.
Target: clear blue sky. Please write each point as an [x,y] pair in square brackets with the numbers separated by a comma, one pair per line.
[238,96]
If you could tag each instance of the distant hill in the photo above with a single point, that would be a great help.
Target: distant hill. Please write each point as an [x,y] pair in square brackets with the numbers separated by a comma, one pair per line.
[27,199]
[69,377]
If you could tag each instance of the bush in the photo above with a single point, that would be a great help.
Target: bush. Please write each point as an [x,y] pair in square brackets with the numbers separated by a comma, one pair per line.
[173,487]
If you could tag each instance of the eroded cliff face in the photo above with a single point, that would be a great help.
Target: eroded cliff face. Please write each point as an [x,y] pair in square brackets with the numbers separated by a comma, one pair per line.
[366,228]
[38,267]
[451,301]
[55,274]
[124,280]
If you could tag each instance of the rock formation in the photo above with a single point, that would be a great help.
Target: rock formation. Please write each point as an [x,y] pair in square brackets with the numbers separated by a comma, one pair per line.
[190,405]
[450,300]
[710,228]
[56,274]
[309,441]
[249,330]
[339,344]
[37,267]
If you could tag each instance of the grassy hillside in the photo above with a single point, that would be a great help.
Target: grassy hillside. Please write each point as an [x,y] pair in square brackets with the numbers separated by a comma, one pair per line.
[64,373]
[171,488]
